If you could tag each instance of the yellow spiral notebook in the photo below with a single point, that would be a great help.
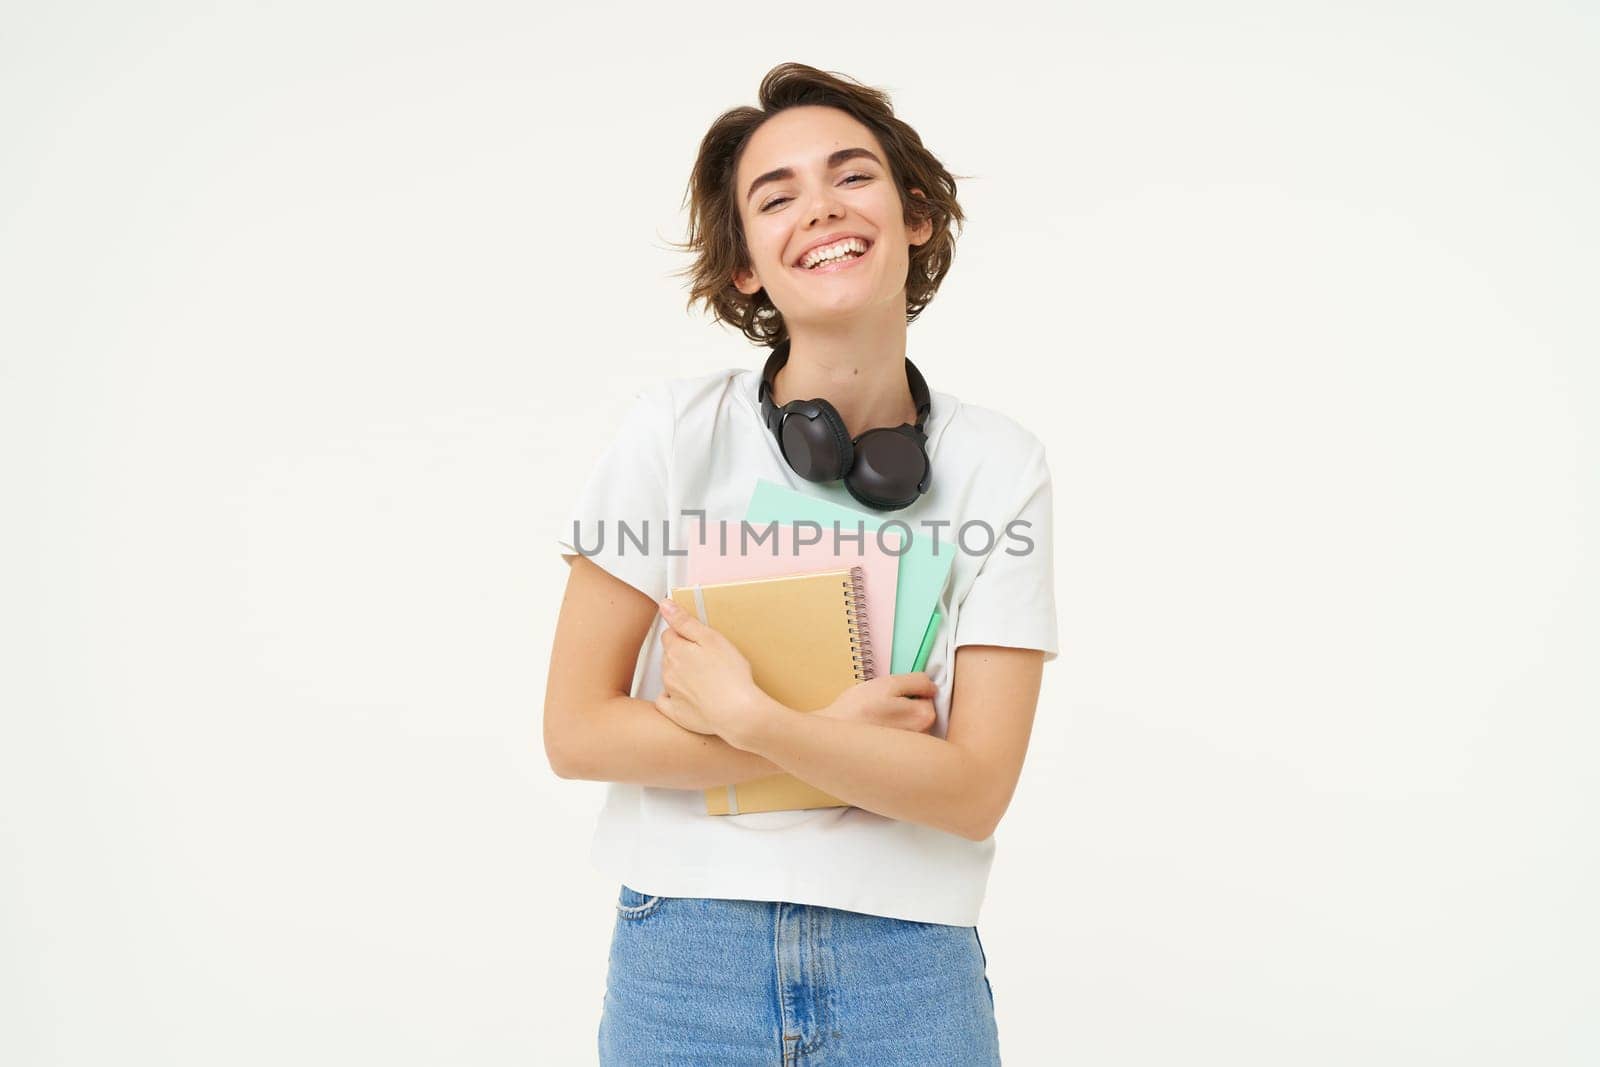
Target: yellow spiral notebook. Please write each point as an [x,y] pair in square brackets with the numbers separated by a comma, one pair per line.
[807,640]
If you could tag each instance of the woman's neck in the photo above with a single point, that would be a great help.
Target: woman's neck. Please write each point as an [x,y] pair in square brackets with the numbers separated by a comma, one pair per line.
[861,373]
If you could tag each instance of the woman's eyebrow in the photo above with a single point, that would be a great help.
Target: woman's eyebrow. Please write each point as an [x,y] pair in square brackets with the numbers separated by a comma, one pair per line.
[836,158]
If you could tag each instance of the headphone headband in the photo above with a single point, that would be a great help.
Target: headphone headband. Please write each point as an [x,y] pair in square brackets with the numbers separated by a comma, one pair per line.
[886,467]
[771,415]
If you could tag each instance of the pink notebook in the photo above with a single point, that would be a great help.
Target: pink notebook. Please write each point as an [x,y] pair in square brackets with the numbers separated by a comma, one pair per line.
[707,564]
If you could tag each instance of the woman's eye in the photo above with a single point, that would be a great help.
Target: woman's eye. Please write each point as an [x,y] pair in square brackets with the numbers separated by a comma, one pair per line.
[775,201]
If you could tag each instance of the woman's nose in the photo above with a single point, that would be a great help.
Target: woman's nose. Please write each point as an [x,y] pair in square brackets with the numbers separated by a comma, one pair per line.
[824,205]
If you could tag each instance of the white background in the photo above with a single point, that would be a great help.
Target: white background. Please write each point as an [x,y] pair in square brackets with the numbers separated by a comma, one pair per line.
[313,318]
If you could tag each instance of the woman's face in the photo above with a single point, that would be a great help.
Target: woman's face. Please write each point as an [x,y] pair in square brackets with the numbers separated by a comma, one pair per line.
[795,190]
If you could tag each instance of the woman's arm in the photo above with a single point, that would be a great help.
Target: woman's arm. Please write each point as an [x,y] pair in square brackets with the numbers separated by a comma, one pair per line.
[592,728]
[961,783]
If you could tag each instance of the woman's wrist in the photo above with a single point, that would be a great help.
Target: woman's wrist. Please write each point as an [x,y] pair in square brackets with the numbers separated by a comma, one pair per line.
[752,725]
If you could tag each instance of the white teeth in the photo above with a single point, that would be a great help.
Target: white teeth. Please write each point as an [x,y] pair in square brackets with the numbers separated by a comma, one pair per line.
[837,250]
[817,261]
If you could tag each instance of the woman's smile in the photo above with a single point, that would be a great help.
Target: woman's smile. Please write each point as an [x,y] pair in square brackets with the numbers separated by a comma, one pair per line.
[837,265]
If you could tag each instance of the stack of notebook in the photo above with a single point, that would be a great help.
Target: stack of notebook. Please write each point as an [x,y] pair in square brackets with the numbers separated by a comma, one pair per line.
[813,619]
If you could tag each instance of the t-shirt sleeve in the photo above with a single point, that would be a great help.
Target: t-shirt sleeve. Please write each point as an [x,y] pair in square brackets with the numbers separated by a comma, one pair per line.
[624,500]
[1012,599]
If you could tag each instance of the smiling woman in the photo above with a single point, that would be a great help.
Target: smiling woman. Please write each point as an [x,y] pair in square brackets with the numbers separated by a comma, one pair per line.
[819,132]
[820,227]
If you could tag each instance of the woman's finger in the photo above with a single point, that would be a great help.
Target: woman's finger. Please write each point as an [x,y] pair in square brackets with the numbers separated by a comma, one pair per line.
[924,712]
[915,684]
[684,624]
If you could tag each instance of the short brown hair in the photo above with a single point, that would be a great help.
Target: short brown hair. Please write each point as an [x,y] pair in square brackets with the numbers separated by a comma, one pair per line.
[716,231]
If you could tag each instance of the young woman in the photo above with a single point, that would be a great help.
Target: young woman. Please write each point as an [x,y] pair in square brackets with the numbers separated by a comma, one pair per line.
[844,935]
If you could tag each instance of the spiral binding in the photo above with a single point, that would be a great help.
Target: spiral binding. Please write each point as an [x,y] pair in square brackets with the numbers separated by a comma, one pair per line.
[855,609]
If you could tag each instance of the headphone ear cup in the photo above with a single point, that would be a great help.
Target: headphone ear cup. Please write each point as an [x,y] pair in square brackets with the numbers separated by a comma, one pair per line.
[841,438]
[892,468]
[876,505]
[815,441]
[862,496]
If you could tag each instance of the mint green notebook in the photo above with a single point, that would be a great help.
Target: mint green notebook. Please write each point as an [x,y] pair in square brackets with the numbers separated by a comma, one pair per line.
[922,573]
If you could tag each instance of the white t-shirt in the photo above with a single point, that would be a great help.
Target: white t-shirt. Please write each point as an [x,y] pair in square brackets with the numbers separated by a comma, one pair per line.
[699,442]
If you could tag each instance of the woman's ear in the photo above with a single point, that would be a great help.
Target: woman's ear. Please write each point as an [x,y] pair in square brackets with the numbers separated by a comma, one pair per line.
[920,231]
[746,282]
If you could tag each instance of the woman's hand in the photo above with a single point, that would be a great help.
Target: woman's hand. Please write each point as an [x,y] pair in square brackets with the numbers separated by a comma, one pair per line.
[684,714]
[898,701]
[706,682]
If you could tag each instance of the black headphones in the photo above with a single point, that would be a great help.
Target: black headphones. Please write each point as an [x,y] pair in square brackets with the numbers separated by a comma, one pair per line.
[885,468]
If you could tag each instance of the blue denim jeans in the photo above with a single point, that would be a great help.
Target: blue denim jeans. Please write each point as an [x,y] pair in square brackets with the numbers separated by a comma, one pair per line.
[698,982]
